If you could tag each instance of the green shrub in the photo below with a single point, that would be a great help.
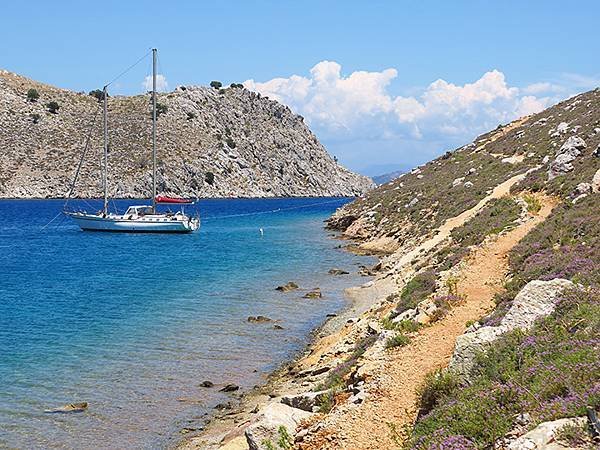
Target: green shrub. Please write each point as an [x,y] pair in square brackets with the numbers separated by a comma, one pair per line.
[35,117]
[421,286]
[400,340]
[98,94]
[32,95]
[210,178]
[533,203]
[161,109]
[574,436]
[438,385]
[191,116]
[216,84]
[53,107]
[230,142]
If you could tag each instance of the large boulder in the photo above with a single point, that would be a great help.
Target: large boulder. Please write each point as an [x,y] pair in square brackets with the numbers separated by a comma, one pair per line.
[565,155]
[306,401]
[536,299]
[267,429]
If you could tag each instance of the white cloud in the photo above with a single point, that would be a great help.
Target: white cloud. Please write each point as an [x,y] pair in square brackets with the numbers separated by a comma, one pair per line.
[358,106]
[161,83]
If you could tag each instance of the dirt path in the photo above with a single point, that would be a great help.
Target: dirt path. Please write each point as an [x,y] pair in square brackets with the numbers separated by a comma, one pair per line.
[392,394]
[446,228]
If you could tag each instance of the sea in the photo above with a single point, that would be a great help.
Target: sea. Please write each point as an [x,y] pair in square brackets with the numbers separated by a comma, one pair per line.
[132,324]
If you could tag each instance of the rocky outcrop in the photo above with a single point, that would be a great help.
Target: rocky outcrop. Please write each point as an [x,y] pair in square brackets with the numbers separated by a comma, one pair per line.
[276,421]
[567,153]
[211,143]
[536,299]
[543,437]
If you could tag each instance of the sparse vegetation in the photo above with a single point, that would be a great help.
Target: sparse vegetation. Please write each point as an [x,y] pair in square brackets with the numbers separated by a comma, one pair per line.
[191,116]
[35,117]
[399,340]
[216,84]
[33,95]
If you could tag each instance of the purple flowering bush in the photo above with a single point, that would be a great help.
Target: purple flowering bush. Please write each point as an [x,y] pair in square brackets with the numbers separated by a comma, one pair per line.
[550,372]
[565,245]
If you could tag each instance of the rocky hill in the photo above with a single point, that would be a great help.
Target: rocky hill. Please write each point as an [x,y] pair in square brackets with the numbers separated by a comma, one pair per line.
[211,143]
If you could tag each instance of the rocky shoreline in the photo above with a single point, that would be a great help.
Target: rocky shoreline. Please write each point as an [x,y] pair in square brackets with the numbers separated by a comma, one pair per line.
[286,386]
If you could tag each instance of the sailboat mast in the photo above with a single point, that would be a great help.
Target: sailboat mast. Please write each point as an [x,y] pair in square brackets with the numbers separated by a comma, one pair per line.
[105,172]
[153,130]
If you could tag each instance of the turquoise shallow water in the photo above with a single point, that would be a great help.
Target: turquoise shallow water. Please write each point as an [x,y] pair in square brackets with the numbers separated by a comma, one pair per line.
[132,323]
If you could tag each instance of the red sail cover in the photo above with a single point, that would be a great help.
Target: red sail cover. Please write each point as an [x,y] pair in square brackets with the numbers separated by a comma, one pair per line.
[161,199]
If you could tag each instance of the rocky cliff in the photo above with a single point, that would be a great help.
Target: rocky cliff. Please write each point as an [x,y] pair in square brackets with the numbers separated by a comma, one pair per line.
[211,143]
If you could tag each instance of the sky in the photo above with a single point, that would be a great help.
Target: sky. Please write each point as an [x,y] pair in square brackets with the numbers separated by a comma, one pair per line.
[385,85]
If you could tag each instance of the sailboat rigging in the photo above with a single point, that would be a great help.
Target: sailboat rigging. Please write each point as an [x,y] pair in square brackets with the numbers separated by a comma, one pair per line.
[140,219]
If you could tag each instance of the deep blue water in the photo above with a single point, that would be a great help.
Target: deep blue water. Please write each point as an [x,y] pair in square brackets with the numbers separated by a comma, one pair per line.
[132,323]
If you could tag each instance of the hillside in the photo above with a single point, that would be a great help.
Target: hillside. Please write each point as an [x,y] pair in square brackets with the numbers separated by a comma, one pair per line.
[211,143]
[480,327]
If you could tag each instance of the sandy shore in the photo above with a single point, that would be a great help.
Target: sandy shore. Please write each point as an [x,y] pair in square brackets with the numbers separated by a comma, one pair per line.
[226,429]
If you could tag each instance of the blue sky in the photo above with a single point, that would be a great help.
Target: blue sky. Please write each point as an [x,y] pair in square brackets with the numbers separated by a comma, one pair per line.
[365,72]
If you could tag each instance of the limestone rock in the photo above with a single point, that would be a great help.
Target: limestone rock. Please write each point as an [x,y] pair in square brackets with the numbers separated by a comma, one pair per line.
[543,436]
[536,299]
[567,153]
[266,429]
[305,401]
[596,182]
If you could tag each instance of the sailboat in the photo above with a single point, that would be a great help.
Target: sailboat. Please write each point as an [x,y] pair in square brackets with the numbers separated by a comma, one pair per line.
[141,218]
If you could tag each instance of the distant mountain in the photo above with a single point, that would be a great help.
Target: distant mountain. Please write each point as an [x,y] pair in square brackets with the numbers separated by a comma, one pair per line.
[386,177]
[211,143]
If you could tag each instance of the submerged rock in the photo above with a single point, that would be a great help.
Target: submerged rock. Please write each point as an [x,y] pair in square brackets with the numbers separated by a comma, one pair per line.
[229,388]
[70,408]
[259,319]
[338,272]
[289,286]
[315,293]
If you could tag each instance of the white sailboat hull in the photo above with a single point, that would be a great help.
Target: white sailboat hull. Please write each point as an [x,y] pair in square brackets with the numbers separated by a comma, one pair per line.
[148,224]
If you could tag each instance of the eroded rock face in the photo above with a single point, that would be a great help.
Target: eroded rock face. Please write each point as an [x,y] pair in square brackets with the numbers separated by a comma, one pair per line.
[266,429]
[567,153]
[536,299]
[211,143]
